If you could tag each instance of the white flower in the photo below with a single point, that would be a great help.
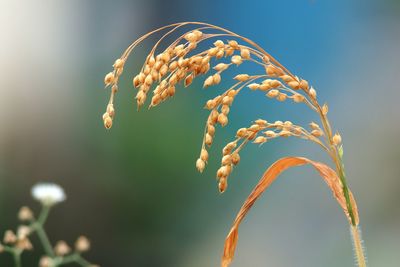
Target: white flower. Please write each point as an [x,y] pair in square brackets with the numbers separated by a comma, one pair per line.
[48,194]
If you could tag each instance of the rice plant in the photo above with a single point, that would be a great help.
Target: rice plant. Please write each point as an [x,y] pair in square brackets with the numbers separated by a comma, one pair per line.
[182,61]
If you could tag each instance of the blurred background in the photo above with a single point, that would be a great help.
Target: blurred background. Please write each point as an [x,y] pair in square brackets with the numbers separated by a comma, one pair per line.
[134,190]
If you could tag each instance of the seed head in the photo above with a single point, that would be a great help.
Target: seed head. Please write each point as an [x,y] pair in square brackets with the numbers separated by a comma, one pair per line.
[216,78]
[225,109]
[317,133]
[337,139]
[314,126]
[242,77]
[222,119]
[270,133]
[208,82]
[222,185]
[313,93]
[200,165]
[119,63]
[107,122]
[223,171]
[208,140]
[298,98]
[242,132]
[254,86]
[294,85]
[237,60]
[304,85]
[273,93]
[227,159]
[281,97]
[235,158]
[260,140]
[210,129]
[204,155]
[325,109]
[110,110]
[227,100]
[188,80]
[284,133]
[261,122]
[228,148]
[109,78]
[221,67]
[219,44]
[245,53]
[233,44]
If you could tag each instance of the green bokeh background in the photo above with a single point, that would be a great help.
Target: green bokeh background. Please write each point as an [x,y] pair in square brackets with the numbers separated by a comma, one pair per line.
[134,190]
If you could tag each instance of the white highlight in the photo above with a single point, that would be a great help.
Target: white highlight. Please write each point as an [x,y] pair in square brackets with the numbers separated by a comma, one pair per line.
[48,194]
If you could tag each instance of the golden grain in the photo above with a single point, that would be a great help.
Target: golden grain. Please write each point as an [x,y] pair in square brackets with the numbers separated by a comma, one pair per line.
[179,62]
[337,139]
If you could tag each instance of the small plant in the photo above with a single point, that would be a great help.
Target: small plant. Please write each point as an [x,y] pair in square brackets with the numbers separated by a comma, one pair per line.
[61,254]
[183,61]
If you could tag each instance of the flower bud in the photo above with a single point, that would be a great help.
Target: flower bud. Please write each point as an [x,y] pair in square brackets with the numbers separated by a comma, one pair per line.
[82,244]
[62,248]
[9,237]
[25,214]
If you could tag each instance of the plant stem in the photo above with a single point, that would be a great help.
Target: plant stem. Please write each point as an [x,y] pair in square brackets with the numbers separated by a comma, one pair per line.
[76,257]
[337,158]
[38,226]
[358,247]
[17,257]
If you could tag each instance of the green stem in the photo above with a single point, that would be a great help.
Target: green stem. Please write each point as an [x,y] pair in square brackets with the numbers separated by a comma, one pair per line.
[342,177]
[76,257]
[17,257]
[38,226]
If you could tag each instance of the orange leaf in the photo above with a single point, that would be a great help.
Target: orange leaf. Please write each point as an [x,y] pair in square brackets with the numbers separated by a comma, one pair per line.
[269,176]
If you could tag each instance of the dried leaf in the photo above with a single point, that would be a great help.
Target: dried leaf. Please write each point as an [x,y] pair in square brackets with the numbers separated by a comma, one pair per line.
[328,174]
